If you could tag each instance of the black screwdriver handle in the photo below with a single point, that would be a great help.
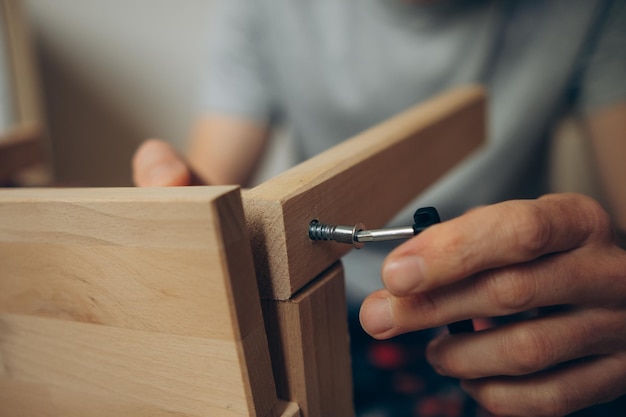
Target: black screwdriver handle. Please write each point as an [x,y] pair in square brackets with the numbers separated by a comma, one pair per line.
[423,218]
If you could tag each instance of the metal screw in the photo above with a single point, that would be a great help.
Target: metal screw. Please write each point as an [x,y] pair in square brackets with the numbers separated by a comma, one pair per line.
[343,234]
[356,235]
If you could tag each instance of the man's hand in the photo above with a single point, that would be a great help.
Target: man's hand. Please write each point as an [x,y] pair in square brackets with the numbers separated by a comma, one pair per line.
[222,150]
[156,164]
[509,258]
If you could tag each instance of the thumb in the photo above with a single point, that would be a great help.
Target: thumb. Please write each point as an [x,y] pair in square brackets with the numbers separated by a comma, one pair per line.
[156,164]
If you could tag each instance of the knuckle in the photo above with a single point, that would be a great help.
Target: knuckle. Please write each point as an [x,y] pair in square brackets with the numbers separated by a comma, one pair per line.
[423,307]
[456,242]
[530,351]
[493,398]
[592,219]
[531,230]
[503,400]
[599,219]
[554,401]
[510,289]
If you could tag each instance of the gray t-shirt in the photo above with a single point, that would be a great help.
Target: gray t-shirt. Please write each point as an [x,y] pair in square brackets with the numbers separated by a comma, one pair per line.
[332,68]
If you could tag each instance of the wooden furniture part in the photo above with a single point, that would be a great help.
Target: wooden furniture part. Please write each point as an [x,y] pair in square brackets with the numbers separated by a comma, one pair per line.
[368,178]
[24,150]
[308,336]
[143,302]
[130,302]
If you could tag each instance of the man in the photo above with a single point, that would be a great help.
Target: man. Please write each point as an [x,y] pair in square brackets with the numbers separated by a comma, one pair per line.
[330,69]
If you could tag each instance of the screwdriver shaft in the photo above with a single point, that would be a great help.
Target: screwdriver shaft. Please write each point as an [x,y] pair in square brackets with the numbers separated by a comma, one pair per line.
[381,235]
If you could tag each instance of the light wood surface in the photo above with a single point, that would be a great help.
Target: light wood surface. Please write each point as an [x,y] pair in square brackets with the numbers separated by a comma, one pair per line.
[130,302]
[368,179]
[309,344]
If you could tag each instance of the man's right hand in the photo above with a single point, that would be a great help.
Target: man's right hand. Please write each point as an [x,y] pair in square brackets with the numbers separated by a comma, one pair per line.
[157,164]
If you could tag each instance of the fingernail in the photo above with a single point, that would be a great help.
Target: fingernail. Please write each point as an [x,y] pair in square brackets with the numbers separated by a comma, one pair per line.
[376,316]
[432,356]
[403,275]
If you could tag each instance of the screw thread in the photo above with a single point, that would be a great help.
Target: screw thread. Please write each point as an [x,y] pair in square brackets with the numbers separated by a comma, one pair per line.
[321,231]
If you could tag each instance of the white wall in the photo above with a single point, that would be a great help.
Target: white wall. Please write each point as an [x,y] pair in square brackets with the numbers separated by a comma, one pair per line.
[116,72]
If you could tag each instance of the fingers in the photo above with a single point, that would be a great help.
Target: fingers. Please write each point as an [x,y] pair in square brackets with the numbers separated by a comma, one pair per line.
[583,277]
[490,237]
[553,393]
[156,164]
[530,346]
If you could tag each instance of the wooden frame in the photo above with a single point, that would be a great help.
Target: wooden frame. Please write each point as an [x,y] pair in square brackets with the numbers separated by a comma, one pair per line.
[143,301]
[368,179]
[22,143]
[131,302]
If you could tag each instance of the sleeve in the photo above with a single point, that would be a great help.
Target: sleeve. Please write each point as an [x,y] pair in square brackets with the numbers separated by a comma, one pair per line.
[236,77]
[603,70]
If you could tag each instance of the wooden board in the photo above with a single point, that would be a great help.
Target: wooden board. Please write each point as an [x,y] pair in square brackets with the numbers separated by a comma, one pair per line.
[131,302]
[310,350]
[368,179]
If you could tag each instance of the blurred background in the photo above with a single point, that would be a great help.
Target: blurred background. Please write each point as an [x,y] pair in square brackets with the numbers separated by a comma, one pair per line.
[115,73]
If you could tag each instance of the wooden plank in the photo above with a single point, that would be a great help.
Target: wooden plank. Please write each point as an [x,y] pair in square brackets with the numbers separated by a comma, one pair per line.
[286,409]
[309,344]
[150,259]
[366,179]
[113,371]
[146,271]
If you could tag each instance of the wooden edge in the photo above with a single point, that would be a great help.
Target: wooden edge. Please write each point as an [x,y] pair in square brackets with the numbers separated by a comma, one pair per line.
[361,180]
[93,218]
[285,409]
[310,349]
[245,306]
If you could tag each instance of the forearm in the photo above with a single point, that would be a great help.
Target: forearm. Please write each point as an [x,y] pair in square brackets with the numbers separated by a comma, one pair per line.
[226,149]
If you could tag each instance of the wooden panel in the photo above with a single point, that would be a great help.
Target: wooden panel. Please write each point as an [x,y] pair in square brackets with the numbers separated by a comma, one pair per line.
[366,179]
[107,292]
[149,259]
[115,371]
[309,344]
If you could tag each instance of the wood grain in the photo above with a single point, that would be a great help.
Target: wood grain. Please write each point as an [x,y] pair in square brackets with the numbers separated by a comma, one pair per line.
[151,259]
[102,370]
[140,301]
[309,344]
[368,179]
